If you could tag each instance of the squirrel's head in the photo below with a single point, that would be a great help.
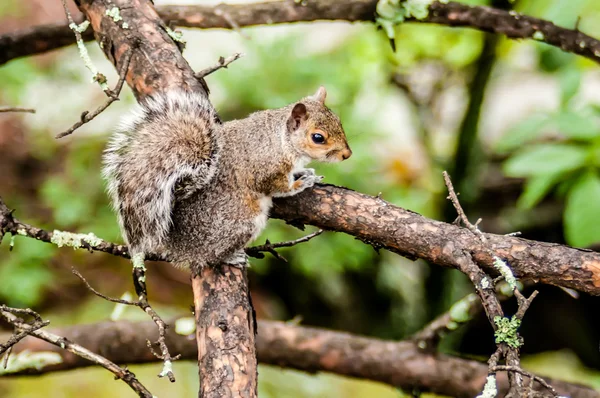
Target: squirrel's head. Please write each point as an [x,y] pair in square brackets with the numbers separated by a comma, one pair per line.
[317,132]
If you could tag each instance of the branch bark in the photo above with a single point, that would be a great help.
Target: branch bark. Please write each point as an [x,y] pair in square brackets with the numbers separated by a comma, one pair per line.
[399,364]
[225,333]
[385,226]
[514,26]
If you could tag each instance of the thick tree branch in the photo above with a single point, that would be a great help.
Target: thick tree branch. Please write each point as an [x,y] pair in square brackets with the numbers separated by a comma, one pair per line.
[377,222]
[156,64]
[64,344]
[400,364]
[512,25]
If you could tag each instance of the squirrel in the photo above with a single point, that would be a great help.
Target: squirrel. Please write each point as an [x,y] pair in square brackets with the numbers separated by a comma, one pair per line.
[197,190]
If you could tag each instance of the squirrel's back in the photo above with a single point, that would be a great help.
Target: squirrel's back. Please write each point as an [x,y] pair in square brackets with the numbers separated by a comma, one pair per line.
[168,148]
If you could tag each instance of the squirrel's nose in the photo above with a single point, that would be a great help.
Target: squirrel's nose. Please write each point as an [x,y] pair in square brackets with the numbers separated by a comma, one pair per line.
[346,153]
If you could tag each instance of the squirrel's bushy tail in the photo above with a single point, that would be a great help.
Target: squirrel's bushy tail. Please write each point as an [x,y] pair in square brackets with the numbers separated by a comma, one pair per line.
[168,147]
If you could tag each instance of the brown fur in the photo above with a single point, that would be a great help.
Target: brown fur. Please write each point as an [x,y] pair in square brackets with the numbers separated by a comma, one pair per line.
[199,190]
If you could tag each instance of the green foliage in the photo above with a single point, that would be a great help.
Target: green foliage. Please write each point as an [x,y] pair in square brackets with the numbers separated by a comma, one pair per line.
[582,211]
[24,272]
[568,164]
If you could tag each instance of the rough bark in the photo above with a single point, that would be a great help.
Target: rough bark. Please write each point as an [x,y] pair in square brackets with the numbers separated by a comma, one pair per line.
[157,64]
[225,333]
[383,225]
[513,25]
[399,364]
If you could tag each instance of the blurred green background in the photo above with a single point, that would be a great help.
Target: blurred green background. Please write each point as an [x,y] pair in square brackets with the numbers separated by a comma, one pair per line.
[515,123]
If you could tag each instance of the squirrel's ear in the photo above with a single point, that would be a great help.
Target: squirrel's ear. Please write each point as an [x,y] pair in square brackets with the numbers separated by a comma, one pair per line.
[320,95]
[297,117]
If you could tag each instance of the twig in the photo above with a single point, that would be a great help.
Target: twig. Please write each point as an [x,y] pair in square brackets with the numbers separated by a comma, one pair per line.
[516,369]
[223,63]
[83,53]
[256,251]
[508,340]
[113,95]
[10,109]
[76,349]
[143,303]
[15,338]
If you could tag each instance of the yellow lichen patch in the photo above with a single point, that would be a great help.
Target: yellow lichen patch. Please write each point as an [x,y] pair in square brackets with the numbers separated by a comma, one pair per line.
[594,267]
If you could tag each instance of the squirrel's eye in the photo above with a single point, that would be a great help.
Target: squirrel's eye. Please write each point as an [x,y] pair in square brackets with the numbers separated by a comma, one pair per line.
[318,138]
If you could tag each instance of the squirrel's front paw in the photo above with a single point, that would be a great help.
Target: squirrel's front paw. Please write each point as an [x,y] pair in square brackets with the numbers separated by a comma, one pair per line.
[306,179]
[304,172]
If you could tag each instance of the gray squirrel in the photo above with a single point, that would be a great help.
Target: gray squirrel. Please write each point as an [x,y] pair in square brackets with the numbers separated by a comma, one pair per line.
[197,190]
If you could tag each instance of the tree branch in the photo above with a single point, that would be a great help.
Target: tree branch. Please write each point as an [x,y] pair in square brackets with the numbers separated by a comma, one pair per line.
[377,222]
[61,343]
[512,25]
[399,364]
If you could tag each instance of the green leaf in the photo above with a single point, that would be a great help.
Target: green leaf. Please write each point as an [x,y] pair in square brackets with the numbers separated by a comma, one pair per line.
[577,125]
[582,211]
[536,188]
[522,132]
[545,159]
[570,81]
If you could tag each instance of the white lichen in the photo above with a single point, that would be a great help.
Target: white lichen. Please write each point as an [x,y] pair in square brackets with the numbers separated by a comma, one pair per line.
[489,390]
[115,14]
[29,360]
[62,238]
[176,35]
[538,36]
[506,272]
[167,368]
[125,25]
[138,261]
[82,27]
[185,326]
[21,232]
[85,56]
[485,283]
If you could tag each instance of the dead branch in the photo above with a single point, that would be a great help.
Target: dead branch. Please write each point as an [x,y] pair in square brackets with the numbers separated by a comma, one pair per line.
[400,364]
[4,109]
[223,63]
[143,303]
[63,343]
[511,24]
[403,232]
[113,95]
[508,340]
[257,251]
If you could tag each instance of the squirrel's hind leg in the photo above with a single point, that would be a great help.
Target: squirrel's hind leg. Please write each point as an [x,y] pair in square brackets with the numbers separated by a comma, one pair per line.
[238,259]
